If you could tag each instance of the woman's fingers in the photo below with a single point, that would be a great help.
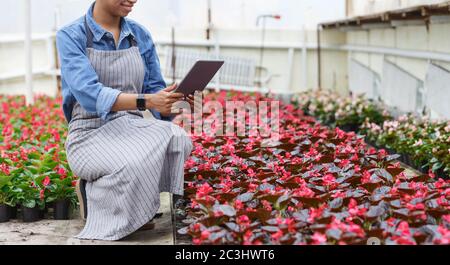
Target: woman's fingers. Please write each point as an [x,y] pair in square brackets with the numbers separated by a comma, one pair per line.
[176,95]
[173,100]
[171,88]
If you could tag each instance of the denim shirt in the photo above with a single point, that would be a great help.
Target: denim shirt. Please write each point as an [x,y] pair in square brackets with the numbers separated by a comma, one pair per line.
[79,79]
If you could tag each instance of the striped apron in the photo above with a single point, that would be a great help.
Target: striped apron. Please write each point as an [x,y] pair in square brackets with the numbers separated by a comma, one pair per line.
[128,160]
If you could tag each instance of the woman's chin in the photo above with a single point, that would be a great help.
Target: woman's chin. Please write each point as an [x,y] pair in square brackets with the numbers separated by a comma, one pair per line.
[122,13]
[125,9]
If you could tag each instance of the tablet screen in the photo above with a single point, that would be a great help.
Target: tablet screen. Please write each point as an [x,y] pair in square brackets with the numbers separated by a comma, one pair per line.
[199,76]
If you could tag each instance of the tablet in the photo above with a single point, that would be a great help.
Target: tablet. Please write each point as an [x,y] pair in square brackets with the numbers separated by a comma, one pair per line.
[199,76]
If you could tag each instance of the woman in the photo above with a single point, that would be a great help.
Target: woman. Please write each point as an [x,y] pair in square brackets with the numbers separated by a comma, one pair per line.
[110,73]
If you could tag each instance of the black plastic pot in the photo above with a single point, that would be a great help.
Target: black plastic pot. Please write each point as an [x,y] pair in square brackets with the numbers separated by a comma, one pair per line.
[12,212]
[373,144]
[403,158]
[390,151]
[31,214]
[61,210]
[349,127]
[4,213]
[42,212]
[424,170]
[407,160]
[441,174]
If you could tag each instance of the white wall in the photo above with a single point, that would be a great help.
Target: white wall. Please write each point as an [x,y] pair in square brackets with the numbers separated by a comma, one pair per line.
[436,39]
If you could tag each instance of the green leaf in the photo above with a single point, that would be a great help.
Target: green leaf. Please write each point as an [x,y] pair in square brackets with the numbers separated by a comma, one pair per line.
[51,198]
[4,180]
[29,203]
[437,166]
[227,210]
[245,197]
[34,155]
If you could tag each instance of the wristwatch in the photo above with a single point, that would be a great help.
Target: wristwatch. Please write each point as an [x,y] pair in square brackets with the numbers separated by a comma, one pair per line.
[140,102]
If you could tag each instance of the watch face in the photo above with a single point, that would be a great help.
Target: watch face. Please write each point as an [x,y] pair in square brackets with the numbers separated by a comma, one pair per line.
[140,102]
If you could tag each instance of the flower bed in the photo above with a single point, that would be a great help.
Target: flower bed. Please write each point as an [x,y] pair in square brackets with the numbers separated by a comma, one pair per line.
[423,144]
[348,113]
[316,186]
[33,167]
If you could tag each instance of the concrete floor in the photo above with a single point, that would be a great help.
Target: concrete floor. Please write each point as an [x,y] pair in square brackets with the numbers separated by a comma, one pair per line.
[52,232]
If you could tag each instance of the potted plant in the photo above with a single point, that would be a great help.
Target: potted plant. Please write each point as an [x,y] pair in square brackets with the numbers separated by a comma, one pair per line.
[61,193]
[4,208]
[5,198]
[31,197]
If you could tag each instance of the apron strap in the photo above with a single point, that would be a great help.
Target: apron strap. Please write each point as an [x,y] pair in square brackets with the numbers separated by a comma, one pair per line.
[90,36]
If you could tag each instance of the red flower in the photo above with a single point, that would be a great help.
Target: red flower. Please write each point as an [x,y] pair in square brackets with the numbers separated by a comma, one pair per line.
[205,235]
[203,191]
[329,180]
[238,205]
[318,238]
[277,235]
[403,228]
[46,181]
[243,220]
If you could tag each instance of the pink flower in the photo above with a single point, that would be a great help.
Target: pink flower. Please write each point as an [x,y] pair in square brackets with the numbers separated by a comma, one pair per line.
[243,220]
[319,238]
[205,235]
[431,174]
[238,205]
[46,181]
[228,170]
[203,191]
[266,205]
[277,236]
[247,236]
[403,228]
[345,163]
[314,213]
[329,180]
[354,210]
[365,177]
[252,187]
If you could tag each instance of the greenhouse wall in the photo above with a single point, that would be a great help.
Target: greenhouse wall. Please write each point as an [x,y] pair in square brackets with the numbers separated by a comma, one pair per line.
[246,44]
[409,38]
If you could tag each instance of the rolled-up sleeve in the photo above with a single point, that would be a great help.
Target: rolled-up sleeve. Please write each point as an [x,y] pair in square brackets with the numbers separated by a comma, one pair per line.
[81,78]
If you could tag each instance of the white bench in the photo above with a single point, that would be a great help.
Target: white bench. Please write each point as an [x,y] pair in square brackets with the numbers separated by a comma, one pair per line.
[237,73]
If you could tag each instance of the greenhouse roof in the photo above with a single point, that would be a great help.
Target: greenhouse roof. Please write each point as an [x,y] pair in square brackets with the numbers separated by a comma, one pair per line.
[422,14]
